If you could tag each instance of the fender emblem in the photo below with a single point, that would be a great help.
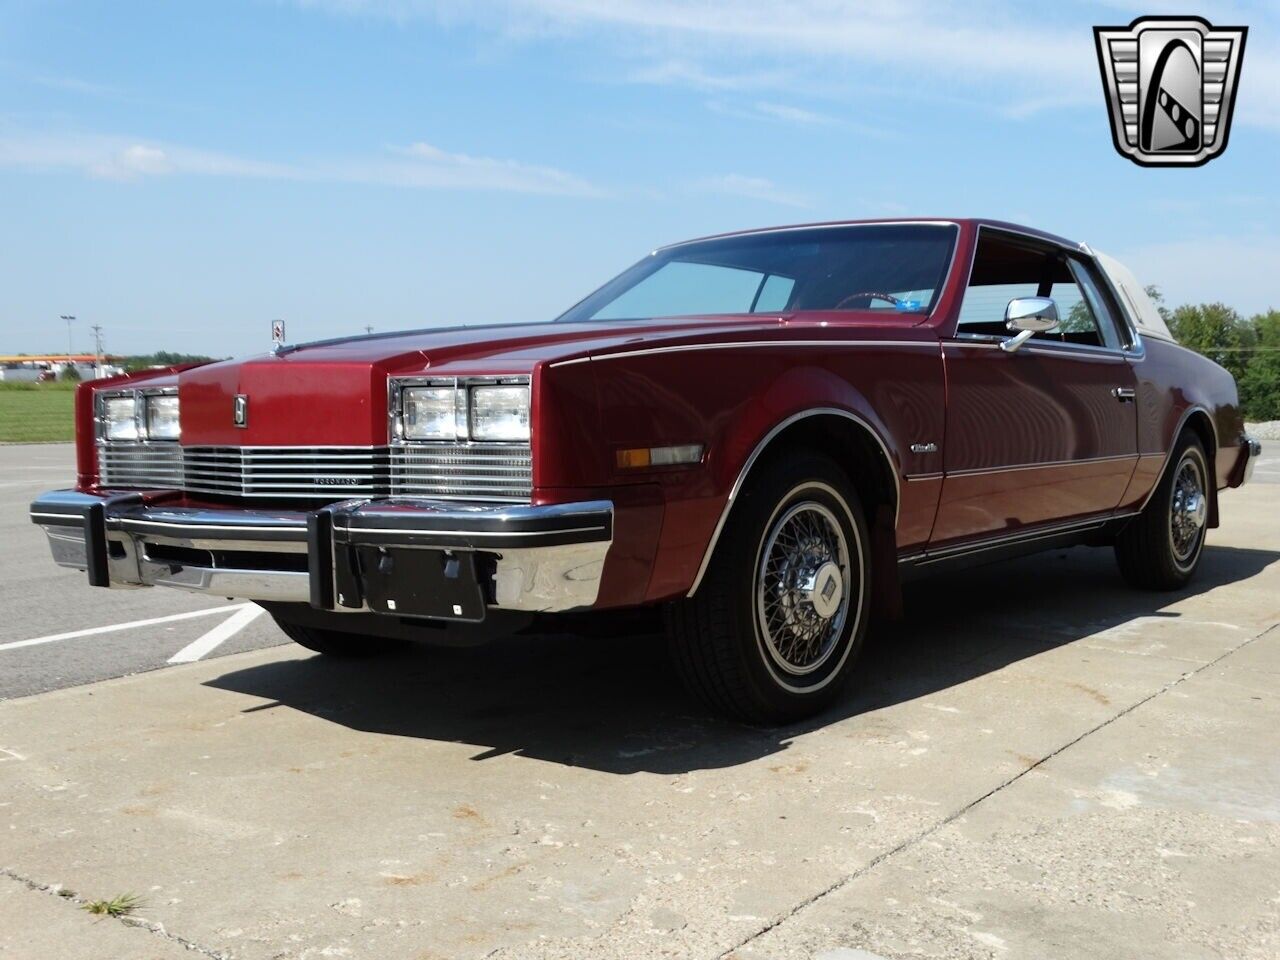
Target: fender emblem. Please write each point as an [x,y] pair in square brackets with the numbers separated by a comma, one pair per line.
[240,411]
[924,447]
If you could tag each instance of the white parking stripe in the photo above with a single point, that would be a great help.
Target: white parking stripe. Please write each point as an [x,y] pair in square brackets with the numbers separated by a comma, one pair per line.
[115,627]
[223,632]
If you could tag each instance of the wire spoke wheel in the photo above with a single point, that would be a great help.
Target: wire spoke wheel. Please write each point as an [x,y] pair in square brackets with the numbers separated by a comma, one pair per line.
[1188,509]
[803,587]
[774,631]
[1161,548]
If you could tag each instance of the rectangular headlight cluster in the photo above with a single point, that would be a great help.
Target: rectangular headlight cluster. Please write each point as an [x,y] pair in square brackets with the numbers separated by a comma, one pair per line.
[138,415]
[495,412]
[162,417]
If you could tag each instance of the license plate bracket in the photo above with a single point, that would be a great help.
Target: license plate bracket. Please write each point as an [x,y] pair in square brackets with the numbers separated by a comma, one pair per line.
[422,583]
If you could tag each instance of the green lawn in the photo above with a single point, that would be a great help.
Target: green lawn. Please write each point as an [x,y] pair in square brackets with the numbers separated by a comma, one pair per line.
[31,412]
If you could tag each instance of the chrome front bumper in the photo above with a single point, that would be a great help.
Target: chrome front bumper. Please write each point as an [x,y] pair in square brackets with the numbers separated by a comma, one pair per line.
[398,556]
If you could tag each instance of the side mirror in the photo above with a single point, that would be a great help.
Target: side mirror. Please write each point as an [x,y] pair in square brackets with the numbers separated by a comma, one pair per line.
[1028,316]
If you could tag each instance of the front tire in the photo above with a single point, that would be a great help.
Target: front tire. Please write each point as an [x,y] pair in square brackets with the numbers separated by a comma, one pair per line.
[335,643]
[774,629]
[1160,548]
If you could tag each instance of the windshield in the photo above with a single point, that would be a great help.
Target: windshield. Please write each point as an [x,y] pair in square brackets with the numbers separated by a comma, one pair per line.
[894,268]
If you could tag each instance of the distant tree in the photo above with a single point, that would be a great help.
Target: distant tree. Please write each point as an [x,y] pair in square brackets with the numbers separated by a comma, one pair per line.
[161,358]
[1260,382]
[1078,319]
[1158,299]
[69,372]
[1215,330]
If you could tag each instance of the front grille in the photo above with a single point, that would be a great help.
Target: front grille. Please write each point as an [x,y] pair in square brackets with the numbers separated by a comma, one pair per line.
[154,465]
[473,471]
[292,472]
[497,472]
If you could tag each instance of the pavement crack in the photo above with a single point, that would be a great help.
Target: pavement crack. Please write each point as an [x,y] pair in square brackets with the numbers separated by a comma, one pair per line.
[80,902]
[955,815]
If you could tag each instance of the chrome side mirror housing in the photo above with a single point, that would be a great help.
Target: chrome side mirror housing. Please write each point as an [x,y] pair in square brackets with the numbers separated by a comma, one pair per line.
[1028,316]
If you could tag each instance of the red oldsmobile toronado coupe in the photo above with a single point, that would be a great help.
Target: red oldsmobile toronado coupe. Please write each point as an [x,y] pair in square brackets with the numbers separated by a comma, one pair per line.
[761,434]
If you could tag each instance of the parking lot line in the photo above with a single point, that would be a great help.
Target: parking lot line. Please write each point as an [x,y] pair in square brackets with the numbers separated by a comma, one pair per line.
[131,625]
[223,632]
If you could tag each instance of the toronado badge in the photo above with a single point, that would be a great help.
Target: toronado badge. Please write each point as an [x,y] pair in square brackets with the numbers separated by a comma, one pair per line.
[1170,84]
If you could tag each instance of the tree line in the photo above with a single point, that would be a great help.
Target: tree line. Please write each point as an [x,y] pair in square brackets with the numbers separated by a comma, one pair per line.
[1248,347]
[145,361]
[161,358]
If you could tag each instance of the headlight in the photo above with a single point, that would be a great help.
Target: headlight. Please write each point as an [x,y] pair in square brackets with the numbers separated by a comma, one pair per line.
[162,418]
[430,413]
[500,413]
[120,418]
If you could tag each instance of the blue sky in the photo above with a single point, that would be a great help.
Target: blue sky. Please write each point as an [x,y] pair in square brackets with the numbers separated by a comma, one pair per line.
[183,172]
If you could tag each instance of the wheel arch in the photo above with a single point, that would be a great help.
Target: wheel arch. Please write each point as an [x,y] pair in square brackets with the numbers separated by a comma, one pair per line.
[1197,420]
[855,444]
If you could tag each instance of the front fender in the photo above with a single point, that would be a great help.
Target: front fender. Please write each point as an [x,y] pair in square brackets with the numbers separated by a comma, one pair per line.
[731,398]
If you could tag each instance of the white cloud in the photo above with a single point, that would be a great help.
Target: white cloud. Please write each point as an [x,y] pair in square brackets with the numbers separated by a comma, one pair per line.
[686,74]
[1016,62]
[763,110]
[425,165]
[790,114]
[138,160]
[420,165]
[753,188]
[73,85]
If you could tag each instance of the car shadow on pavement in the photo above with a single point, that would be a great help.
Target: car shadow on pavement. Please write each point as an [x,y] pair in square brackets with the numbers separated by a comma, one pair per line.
[615,705]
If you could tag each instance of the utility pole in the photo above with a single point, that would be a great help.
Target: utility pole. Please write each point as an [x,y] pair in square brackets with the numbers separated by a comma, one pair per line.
[97,349]
[70,318]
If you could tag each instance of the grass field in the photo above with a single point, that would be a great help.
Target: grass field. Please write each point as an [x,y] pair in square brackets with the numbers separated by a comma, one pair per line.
[34,412]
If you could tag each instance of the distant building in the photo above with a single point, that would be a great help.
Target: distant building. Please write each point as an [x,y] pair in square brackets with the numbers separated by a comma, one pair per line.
[21,368]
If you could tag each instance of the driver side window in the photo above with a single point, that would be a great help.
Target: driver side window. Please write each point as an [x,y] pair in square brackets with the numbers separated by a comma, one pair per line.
[1005,268]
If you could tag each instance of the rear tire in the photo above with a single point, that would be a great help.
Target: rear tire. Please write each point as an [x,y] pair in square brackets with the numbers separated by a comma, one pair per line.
[335,643]
[777,623]
[1160,548]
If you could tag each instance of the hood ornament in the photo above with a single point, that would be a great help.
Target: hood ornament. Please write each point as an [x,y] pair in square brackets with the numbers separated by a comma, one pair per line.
[277,337]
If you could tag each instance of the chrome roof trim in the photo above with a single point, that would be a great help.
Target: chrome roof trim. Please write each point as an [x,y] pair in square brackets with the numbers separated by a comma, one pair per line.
[824,225]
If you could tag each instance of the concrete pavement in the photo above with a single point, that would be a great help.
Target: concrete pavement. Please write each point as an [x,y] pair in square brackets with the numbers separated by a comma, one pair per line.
[42,600]
[1038,762]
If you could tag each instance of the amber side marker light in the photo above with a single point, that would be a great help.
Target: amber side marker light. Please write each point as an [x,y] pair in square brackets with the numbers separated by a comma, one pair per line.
[641,457]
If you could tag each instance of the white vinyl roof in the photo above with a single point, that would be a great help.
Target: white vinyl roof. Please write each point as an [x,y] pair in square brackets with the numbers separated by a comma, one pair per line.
[1136,303]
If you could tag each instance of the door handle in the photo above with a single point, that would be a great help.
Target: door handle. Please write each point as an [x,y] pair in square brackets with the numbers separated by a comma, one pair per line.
[1124,394]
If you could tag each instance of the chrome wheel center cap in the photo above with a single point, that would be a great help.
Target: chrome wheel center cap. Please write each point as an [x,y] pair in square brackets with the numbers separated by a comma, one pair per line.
[825,589]
[1195,509]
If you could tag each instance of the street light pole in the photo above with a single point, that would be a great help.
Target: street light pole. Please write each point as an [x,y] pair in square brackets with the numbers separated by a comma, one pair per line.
[97,350]
[70,318]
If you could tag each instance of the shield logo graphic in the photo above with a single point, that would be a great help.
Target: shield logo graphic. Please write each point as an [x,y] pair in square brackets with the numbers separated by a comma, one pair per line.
[1170,84]
[240,411]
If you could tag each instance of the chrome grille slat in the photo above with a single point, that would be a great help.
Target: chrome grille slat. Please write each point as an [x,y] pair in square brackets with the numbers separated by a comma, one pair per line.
[500,472]
[141,465]
[464,471]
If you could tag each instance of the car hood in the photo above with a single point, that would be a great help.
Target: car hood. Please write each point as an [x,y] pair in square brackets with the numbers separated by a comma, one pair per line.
[333,393]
